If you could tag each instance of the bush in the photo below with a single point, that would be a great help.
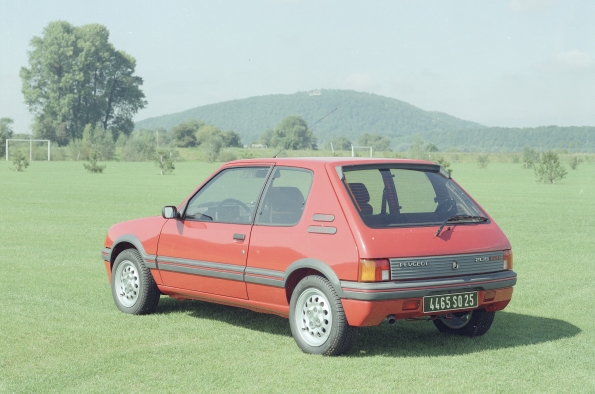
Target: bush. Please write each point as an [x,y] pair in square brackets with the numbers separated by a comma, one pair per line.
[227,155]
[574,162]
[164,161]
[19,160]
[530,157]
[139,146]
[482,161]
[444,163]
[549,168]
[92,166]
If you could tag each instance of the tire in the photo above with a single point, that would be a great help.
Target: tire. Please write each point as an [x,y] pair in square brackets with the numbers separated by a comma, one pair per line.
[133,287]
[317,320]
[470,324]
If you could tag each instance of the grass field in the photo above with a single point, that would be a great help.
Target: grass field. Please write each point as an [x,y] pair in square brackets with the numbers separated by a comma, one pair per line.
[60,330]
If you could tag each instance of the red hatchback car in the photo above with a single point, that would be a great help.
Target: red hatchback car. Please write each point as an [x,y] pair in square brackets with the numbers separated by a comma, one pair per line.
[331,243]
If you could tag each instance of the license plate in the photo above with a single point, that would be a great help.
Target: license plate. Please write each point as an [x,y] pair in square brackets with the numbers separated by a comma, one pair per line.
[450,302]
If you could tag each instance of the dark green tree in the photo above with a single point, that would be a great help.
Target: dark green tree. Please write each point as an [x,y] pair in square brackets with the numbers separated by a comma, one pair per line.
[185,133]
[5,133]
[376,141]
[232,139]
[293,133]
[92,165]
[76,77]
[549,169]
[339,143]
[19,160]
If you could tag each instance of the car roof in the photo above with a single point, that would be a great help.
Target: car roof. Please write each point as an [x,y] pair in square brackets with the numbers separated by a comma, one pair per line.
[308,161]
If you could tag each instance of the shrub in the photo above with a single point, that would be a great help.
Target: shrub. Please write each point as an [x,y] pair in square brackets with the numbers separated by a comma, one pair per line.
[482,161]
[574,162]
[444,163]
[549,168]
[92,166]
[19,160]
[164,161]
[530,157]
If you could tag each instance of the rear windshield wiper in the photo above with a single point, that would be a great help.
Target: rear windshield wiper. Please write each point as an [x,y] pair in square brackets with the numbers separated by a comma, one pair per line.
[462,219]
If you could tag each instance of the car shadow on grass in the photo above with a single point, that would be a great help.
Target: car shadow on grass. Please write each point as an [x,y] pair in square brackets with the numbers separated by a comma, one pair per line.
[402,339]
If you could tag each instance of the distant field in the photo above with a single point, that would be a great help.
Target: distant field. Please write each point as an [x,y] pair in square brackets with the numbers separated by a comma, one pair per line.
[60,331]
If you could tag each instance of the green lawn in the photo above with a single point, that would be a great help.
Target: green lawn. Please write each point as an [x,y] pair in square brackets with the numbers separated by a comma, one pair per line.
[60,330]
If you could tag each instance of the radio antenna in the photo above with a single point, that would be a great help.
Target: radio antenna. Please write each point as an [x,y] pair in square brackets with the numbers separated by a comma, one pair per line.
[309,127]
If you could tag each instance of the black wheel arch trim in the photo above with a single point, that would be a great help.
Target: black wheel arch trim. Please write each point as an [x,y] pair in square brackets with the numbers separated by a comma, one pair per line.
[149,259]
[317,265]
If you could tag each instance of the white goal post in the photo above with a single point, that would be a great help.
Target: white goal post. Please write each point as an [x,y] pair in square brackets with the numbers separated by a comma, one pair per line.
[353,148]
[30,147]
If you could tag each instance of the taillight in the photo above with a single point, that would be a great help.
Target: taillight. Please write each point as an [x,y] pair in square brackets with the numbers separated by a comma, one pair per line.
[507,265]
[376,270]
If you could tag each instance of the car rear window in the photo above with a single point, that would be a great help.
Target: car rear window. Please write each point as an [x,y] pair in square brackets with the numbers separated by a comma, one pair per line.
[395,197]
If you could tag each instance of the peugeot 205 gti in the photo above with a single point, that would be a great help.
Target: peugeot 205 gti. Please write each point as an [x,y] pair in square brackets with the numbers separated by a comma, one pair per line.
[331,243]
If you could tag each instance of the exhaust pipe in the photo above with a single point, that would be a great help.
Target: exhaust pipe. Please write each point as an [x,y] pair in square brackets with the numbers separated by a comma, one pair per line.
[391,319]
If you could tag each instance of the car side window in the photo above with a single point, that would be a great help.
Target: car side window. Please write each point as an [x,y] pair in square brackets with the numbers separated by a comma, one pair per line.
[230,197]
[285,197]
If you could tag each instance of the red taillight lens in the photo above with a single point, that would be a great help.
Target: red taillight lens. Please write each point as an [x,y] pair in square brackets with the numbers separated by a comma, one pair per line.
[507,265]
[374,270]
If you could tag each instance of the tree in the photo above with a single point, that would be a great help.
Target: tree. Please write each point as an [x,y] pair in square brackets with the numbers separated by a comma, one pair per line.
[482,161]
[164,161]
[19,160]
[231,139]
[376,141]
[76,77]
[432,148]
[184,133]
[339,143]
[444,163]
[96,138]
[416,150]
[5,133]
[293,133]
[92,166]
[530,157]
[549,168]
[574,162]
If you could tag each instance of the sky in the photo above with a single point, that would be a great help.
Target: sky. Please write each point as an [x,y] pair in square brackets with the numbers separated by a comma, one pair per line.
[508,63]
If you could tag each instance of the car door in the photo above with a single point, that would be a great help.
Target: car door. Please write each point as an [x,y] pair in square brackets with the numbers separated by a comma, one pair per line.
[206,249]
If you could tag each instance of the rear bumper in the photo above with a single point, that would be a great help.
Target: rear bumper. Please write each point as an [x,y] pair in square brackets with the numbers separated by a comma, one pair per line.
[367,304]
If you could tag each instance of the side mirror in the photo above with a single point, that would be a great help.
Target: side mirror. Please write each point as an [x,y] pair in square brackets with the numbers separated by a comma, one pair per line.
[169,212]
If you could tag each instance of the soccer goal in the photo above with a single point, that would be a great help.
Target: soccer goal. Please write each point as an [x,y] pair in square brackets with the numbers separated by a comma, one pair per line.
[353,148]
[30,147]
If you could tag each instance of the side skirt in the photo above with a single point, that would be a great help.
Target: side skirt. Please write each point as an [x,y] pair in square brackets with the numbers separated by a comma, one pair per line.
[256,306]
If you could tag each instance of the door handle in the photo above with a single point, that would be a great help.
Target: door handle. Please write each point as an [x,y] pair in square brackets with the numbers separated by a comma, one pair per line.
[239,237]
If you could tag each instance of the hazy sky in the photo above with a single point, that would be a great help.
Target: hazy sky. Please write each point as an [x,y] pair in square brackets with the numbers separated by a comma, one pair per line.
[500,63]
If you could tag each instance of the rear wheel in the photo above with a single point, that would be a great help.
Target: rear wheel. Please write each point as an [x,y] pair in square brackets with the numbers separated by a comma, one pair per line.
[317,319]
[133,287]
[471,324]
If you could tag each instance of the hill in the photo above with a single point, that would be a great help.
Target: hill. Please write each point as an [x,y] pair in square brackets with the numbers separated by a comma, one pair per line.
[502,139]
[356,113]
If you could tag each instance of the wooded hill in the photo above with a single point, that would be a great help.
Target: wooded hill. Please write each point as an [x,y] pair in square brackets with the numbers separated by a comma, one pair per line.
[359,113]
[356,113]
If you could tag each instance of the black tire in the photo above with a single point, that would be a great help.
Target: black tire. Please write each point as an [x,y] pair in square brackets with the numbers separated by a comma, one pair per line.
[470,324]
[133,287]
[317,320]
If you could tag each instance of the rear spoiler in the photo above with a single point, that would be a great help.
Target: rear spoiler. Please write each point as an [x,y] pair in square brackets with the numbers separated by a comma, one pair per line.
[402,166]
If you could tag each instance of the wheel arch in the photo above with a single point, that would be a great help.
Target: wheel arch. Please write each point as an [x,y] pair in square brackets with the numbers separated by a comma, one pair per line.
[123,242]
[299,269]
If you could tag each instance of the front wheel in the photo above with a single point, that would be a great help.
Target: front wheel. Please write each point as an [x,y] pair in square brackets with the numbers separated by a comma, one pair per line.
[133,287]
[317,320]
[470,324]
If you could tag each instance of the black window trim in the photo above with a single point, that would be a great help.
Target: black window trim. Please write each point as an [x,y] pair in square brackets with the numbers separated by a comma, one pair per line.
[262,189]
[266,186]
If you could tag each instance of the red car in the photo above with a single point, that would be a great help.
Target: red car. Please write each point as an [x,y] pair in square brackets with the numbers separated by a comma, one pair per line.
[331,243]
